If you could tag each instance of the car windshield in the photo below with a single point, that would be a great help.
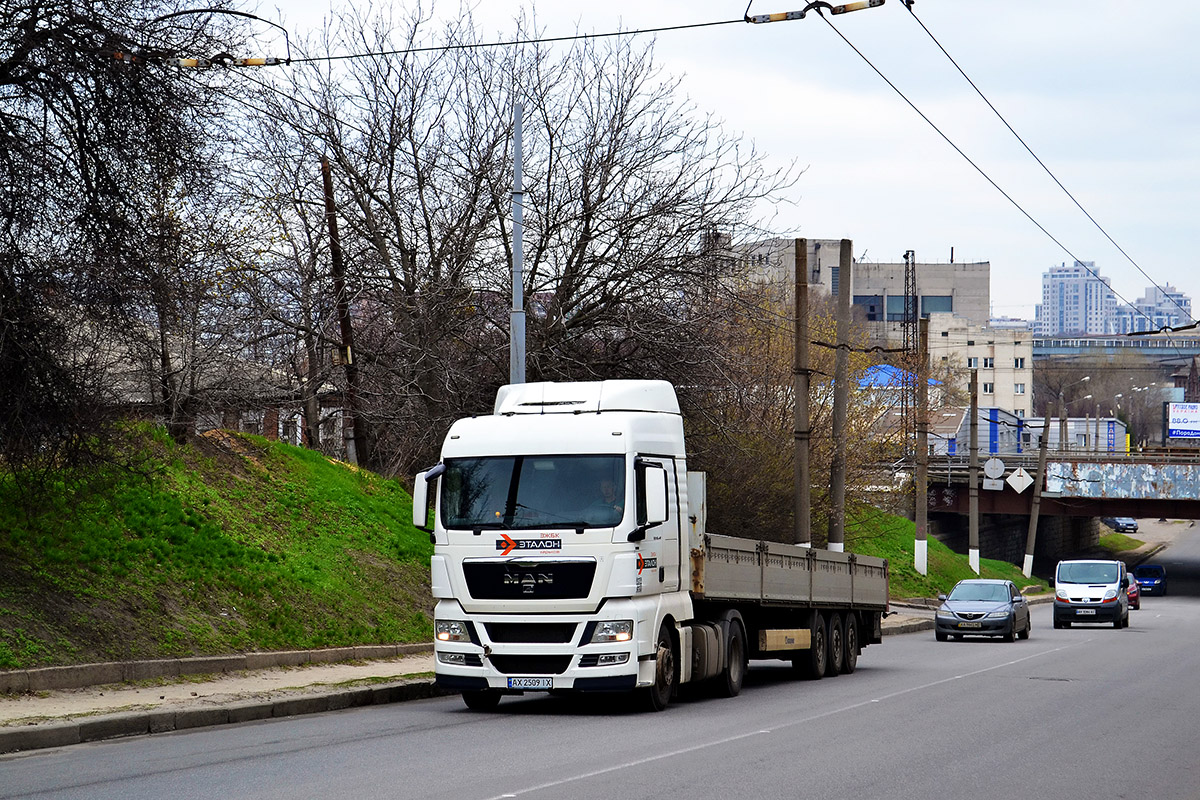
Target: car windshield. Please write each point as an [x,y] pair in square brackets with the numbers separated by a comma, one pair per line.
[1148,572]
[521,492]
[1088,573]
[980,591]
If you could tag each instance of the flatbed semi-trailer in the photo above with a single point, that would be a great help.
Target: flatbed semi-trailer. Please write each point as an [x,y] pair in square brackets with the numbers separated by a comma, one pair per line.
[570,554]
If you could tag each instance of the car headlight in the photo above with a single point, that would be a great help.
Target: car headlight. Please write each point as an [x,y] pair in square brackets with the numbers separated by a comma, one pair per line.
[945,613]
[613,630]
[451,630]
[1061,594]
[1110,594]
[998,614]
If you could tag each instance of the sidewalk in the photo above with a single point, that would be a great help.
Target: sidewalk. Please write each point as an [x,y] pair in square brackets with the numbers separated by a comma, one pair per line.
[68,705]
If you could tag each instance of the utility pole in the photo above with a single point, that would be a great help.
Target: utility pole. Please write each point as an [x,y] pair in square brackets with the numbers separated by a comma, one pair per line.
[802,485]
[921,479]
[1035,508]
[841,398]
[973,478]
[351,430]
[516,317]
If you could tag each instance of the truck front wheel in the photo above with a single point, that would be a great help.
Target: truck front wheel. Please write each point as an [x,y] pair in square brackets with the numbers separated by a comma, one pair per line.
[481,699]
[658,696]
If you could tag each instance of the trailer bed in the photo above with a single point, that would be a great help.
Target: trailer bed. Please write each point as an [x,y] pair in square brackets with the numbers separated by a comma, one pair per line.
[771,573]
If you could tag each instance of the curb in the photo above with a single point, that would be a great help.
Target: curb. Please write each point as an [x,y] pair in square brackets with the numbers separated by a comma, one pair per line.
[140,723]
[81,675]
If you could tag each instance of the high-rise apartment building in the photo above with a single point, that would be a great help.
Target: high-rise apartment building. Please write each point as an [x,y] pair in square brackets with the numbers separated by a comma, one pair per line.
[1076,300]
[1159,308]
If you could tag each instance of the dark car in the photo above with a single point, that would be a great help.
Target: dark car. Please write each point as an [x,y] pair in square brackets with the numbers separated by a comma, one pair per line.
[978,607]
[1151,578]
[1134,593]
[1121,524]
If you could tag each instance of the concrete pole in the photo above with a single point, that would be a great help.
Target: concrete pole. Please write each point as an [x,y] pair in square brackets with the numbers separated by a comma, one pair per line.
[1062,422]
[801,479]
[1036,506]
[921,481]
[973,479]
[516,317]
[841,399]
[1096,438]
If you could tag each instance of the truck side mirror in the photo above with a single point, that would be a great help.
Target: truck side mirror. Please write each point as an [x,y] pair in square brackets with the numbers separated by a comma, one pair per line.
[420,496]
[652,491]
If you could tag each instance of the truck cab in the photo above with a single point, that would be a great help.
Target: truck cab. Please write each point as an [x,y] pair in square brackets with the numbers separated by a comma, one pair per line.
[558,534]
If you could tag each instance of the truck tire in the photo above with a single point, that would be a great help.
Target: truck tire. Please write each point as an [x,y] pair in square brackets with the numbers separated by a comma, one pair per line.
[810,664]
[850,634]
[836,646]
[658,696]
[734,674]
[481,699]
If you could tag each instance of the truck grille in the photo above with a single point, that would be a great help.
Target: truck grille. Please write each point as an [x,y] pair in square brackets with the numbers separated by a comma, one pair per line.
[530,665]
[509,580]
[531,632]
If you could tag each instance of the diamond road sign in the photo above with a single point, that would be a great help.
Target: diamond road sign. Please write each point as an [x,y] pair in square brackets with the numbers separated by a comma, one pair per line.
[1020,480]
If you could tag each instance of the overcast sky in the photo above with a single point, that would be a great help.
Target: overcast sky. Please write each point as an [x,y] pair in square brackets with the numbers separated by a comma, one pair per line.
[1105,93]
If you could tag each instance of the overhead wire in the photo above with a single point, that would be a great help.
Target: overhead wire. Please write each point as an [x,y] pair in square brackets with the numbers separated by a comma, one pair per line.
[1053,177]
[977,168]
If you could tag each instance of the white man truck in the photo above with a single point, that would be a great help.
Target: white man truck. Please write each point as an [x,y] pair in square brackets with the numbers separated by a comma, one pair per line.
[570,555]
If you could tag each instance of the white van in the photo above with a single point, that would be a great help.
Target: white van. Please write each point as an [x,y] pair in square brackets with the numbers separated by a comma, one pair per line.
[1091,591]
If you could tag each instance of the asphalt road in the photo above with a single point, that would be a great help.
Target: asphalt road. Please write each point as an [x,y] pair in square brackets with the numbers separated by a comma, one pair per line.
[1081,713]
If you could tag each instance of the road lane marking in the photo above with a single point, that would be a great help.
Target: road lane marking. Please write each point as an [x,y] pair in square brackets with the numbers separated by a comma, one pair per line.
[804,721]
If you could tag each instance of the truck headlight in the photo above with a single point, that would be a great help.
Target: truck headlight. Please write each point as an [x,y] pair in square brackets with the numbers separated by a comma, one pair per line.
[1111,594]
[620,630]
[1061,594]
[451,630]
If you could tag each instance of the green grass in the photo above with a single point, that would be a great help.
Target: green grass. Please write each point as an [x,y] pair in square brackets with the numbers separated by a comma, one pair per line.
[873,532]
[1119,543]
[228,545]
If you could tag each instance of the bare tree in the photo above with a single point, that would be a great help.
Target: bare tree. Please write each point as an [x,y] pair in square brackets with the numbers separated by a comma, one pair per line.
[624,179]
[80,115]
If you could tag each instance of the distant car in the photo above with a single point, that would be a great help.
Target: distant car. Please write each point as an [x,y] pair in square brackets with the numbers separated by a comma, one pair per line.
[978,607]
[1121,524]
[1151,578]
[1135,594]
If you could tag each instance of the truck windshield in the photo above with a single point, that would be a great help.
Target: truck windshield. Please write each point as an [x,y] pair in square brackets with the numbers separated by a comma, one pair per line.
[519,492]
[1088,573]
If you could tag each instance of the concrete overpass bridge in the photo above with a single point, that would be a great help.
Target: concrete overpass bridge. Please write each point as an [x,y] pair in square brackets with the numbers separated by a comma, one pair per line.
[1080,487]
[1158,484]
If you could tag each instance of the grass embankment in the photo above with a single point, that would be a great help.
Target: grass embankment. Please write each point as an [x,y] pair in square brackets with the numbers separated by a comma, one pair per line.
[1116,543]
[235,544]
[876,533]
[230,544]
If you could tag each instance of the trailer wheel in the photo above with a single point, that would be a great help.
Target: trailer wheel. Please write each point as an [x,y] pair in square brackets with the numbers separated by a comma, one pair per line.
[810,663]
[658,696]
[850,661]
[734,673]
[836,646]
[481,699]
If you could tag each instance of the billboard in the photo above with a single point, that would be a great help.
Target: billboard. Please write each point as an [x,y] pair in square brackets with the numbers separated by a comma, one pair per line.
[1183,420]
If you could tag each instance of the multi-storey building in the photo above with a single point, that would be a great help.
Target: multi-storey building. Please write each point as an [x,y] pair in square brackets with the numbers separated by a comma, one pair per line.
[1076,300]
[1001,357]
[877,289]
[1159,308]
